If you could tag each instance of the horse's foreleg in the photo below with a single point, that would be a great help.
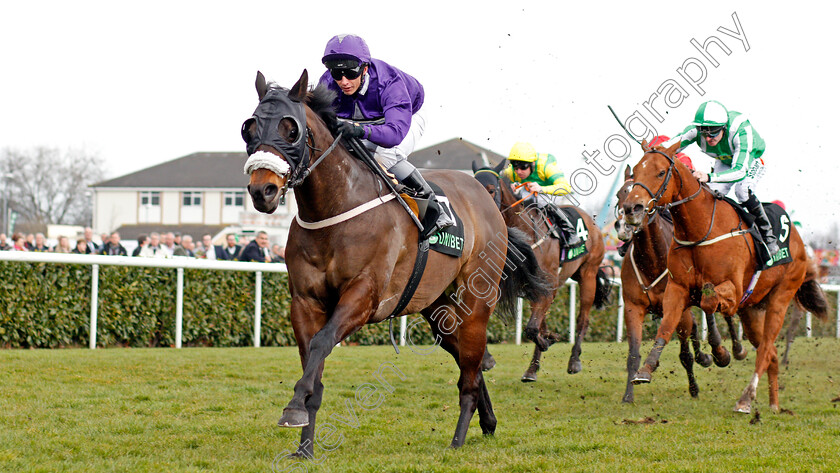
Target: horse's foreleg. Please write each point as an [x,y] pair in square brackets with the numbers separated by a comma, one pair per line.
[353,309]
[701,358]
[531,373]
[535,328]
[684,331]
[587,285]
[738,350]
[634,316]
[712,298]
[674,303]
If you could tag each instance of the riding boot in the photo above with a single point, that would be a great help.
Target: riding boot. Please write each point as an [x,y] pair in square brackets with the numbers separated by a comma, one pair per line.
[755,208]
[565,225]
[427,202]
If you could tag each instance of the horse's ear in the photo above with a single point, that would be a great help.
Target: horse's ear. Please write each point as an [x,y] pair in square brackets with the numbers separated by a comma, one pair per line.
[628,173]
[262,88]
[501,166]
[673,149]
[475,167]
[645,146]
[298,92]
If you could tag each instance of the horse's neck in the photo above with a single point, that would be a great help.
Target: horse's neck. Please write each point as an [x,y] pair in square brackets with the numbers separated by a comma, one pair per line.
[339,183]
[693,219]
[652,244]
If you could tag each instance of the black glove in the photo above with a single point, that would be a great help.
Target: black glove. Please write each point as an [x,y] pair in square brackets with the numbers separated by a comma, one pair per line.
[350,130]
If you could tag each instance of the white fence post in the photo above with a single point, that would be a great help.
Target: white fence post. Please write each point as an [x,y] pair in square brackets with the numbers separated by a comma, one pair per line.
[572,304]
[808,326]
[403,328]
[619,325]
[519,321]
[257,309]
[179,309]
[94,303]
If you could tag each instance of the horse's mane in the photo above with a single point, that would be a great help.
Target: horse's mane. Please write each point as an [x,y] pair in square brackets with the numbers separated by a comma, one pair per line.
[320,99]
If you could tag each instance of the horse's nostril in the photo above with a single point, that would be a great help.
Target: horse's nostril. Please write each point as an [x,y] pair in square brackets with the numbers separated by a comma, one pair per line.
[270,191]
[638,208]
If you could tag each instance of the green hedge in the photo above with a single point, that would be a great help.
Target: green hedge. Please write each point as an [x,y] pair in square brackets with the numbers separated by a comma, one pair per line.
[48,306]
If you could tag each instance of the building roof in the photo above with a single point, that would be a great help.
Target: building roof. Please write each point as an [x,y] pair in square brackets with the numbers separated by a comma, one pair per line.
[456,153]
[197,170]
[224,169]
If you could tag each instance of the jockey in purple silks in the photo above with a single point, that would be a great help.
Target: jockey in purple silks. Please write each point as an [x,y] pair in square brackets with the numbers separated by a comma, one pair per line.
[371,89]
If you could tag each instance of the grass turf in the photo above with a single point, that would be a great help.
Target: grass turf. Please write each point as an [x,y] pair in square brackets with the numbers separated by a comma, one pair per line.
[206,409]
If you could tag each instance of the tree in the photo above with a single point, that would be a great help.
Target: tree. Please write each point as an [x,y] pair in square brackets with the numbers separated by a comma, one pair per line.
[46,186]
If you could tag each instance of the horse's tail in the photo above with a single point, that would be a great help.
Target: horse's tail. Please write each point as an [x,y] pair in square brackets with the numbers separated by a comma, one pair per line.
[810,295]
[603,288]
[522,276]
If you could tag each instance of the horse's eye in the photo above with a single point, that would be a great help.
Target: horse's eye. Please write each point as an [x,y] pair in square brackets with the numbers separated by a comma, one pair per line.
[289,129]
[247,134]
[661,173]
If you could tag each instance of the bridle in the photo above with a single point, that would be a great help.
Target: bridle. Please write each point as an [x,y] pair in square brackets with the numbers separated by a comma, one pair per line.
[652,209]
[655,198]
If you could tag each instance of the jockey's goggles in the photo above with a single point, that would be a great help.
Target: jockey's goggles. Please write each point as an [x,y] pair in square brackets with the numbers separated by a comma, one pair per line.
[520,165]
[709,131]
[350,74]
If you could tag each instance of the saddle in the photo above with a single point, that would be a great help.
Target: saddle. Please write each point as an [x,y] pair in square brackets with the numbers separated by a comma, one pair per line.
[779,221]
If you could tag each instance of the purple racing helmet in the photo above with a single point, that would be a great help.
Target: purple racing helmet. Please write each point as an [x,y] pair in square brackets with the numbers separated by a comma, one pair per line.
[346,51]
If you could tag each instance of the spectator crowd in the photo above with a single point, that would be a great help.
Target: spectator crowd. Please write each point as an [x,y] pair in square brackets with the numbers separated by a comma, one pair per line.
[154,245]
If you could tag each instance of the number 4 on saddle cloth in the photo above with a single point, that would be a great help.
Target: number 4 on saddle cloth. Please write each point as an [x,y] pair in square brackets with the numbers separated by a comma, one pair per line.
[781,223]
[556,231]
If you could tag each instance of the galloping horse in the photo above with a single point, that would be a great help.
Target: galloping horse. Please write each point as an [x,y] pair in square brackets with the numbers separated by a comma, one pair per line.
[643,280]
[711,264]
[594,285]
[351,251]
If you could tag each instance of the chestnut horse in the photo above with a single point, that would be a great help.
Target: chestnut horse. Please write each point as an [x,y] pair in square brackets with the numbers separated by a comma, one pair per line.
[711,264]
[643,281]
[352,249]
[594,285]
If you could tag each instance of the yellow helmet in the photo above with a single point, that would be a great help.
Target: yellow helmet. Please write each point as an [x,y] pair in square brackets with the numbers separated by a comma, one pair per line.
[522,151]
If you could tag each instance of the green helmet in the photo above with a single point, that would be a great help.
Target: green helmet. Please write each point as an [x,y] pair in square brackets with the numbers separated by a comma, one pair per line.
[711,114]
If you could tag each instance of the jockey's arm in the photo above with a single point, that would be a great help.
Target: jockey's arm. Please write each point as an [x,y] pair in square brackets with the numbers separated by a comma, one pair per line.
[741,153]
[688,136]
[559,185]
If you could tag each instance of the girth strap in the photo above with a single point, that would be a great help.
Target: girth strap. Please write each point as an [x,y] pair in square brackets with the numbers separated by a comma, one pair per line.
[410,288]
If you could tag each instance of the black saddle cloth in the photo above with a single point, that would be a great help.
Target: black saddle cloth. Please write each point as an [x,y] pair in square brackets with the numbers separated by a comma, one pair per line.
[781,224]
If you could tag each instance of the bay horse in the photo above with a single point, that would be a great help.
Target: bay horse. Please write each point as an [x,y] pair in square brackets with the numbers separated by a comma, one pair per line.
[711,264]
[586,270]
[643,281]
[351,251]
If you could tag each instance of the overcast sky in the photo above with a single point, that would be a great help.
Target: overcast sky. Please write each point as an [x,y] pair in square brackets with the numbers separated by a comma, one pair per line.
[144,83]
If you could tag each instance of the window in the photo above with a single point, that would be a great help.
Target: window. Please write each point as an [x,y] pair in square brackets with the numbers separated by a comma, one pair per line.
[234,199]
[191,199]
[150,198]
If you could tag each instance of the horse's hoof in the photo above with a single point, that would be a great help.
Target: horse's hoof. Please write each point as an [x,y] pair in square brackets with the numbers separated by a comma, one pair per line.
[703,360]
[488,363]
[574,367]
[641,377]
[740,355]
[721,357]
[743,409]
[628,399]
[529,378]
[694,391]
[294,418]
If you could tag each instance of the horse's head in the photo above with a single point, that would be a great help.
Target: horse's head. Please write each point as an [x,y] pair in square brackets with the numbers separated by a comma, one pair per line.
[650,187]
[622,228]
[277,142]
[491,179]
